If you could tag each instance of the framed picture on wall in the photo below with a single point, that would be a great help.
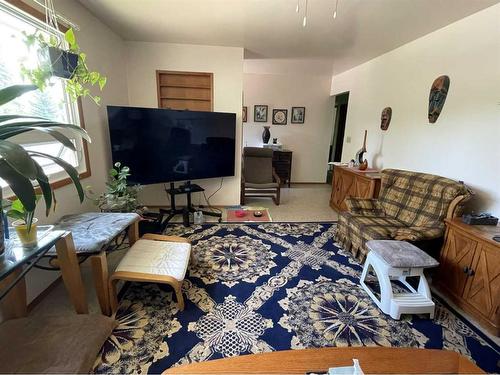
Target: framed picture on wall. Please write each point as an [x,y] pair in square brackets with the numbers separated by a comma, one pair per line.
[298,115]
[244,116]
[280,116]
[260,113]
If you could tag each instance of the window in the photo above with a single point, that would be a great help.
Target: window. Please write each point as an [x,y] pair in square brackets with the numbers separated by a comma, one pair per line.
[53,103]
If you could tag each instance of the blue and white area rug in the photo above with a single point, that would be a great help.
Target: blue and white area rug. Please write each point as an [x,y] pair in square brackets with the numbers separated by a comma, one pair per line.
[261,287]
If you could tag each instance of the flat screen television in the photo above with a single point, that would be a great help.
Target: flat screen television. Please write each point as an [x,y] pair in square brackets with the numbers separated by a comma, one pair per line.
[162,145]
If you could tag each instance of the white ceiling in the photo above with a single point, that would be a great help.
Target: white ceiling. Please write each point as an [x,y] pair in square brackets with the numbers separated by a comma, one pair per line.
[362,30]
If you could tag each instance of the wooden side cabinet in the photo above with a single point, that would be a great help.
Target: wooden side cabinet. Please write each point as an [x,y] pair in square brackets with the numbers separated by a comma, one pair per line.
[351,182]
[469,271]
[282,163]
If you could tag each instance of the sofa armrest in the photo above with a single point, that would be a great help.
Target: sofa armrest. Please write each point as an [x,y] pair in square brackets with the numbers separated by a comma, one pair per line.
[364,207]
[423,233]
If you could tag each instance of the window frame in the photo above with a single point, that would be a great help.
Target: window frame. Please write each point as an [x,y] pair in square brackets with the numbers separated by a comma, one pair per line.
[87,172]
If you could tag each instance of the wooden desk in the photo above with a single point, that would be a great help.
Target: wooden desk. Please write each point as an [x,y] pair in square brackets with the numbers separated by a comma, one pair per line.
[282,164]
[372,361]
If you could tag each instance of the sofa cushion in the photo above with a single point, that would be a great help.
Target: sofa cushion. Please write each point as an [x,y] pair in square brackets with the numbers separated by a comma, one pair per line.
[58,344]
[418,199]
[354,230]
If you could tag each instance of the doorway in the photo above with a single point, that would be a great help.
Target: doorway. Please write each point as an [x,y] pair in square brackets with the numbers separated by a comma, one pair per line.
[337,141]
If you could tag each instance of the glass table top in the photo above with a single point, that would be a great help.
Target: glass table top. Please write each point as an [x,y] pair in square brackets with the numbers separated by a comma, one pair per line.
[16,255]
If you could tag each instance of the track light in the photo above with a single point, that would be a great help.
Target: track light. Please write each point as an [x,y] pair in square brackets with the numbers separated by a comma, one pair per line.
[297,8]
[336,7]
[304,20]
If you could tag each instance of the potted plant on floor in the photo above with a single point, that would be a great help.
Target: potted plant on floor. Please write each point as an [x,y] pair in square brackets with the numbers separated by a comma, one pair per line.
[119,195]
[67,63]
[18,166]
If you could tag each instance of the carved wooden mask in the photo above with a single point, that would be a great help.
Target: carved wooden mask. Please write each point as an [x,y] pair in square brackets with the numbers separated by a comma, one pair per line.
[437,97]
[385,118]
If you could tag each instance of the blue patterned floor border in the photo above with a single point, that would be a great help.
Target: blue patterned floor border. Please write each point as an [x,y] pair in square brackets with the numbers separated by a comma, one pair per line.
[259,287]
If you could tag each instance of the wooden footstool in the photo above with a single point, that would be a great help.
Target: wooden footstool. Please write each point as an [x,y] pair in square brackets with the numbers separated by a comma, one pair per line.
[154,259]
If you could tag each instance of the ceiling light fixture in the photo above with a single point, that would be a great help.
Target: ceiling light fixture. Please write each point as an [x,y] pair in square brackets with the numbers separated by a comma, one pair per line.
[304,21]
[297,7]
[336,7]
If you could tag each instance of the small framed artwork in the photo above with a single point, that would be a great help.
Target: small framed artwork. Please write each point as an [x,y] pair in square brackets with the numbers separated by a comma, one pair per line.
[260,113]
[298,115]
[244,114]
[280,116]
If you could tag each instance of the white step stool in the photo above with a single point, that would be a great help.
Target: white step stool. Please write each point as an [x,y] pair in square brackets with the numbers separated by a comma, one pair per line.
[398,260]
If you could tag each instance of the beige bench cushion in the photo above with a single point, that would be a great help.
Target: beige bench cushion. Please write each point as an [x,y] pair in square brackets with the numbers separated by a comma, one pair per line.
[60,344]
[157,258]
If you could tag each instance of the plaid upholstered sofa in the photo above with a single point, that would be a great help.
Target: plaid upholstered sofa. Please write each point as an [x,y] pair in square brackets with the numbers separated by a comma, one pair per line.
[411,206]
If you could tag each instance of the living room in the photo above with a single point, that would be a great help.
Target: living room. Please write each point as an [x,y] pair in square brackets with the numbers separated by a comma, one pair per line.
[346,145]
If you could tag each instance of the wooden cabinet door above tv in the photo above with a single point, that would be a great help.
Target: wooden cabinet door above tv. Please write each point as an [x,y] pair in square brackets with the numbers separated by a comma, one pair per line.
[185,90]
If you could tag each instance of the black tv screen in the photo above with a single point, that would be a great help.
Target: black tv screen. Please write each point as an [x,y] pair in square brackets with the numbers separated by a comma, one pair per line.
[162,145]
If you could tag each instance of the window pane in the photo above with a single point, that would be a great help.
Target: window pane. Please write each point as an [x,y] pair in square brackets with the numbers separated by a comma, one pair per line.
[52,104]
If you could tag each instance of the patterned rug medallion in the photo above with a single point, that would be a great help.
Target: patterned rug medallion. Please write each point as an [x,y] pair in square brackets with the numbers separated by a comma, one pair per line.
[253,288]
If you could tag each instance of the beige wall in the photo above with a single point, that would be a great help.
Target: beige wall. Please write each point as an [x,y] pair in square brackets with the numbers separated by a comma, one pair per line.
[464,142]
[294,87]
[226,63]
[105,51]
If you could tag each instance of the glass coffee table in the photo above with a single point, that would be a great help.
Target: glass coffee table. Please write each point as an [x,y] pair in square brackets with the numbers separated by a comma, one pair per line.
[18,260]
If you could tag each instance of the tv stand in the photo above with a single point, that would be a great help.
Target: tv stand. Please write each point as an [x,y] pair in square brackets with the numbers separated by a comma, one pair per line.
[187,189]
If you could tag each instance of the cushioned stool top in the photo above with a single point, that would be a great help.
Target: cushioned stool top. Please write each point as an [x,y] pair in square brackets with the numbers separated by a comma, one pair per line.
[157,258]
[92,231]
[401,254]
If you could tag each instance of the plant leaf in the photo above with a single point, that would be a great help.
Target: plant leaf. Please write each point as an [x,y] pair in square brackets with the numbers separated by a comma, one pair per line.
[20,185]
[70,37]
[10,93]
[14,128]
[43,182]
[18,158]
[70,170]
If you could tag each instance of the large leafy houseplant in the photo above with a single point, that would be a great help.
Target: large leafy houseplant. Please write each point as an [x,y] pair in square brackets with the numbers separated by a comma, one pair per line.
[54,59]
[18,166]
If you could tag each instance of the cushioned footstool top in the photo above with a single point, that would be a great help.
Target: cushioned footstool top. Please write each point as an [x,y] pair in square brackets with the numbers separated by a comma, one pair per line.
[401,254]
[157,258]
[92,231]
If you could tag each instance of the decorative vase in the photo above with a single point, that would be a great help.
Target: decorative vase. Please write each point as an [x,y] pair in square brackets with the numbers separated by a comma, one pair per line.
[26,238]
[266,135]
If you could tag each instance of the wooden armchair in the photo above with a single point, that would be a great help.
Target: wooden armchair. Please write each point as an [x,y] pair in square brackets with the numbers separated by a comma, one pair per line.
[258,177]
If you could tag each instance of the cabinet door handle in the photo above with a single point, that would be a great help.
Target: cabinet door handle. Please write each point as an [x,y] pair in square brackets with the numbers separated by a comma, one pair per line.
[471,272]
[466,269]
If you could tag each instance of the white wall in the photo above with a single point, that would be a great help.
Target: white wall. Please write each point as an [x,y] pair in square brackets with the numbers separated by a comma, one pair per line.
[105,51]
[464,142]
[226,63]
[293,87]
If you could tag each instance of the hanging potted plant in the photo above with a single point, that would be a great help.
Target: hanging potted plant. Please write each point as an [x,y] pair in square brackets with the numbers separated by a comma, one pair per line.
[54,60]
[18,166]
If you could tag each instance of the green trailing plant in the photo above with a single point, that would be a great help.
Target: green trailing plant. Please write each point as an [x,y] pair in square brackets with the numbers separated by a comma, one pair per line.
[119,196]
[16,210]
[18,167]
[51,54]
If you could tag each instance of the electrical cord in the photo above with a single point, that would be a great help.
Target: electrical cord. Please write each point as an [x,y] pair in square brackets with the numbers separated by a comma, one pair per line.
[211,195]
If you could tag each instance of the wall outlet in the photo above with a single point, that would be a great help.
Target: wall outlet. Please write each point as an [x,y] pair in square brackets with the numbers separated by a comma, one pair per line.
[347,139]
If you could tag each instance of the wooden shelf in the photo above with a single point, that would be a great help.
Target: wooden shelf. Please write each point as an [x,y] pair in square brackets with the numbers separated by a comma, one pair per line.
[185,90]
